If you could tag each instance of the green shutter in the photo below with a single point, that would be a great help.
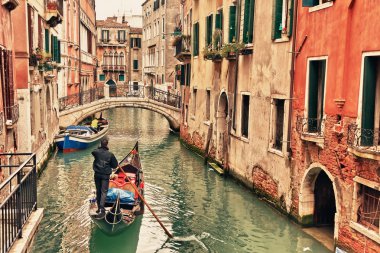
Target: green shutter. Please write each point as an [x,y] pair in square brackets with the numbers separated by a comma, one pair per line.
[313,96]
[56,50]
[196,39]
[290,22]
[208,30]
[218,20]
[182,75]
[323,73]
[277,19]
[47,43]
[135,64]
[232,24]
[59,51]
[121,77]
[251,20]
[102,77]
[369,101]
[309,3]
[246,20]
[52,47]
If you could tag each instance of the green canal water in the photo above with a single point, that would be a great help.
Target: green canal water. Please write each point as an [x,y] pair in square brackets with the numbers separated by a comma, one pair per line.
[205,212]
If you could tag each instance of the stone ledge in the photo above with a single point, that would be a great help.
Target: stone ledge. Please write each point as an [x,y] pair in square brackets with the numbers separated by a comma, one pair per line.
[29,230]
[363,230]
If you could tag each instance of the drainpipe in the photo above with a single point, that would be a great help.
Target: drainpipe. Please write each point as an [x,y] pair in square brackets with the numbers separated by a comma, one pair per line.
[292,70]
[238,17]
[80,55]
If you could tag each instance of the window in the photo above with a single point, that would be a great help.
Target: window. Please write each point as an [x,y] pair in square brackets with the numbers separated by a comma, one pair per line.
[317,75]
[208,97]
[105,36]
[121,36]
[183,75]
[188,74]
[368,213]
[370,119]
[163,25]
[135,85]
[121,59]
[47,41]
[311,3]
[163,78]
[102,77]
[282,18]
[135,64]
[194,101]
[196,39]
[219,26]
[163,57]
[121,78]
[208,30]
[245,115]
[186,113]
[249,8]
[232,25]
[278,123]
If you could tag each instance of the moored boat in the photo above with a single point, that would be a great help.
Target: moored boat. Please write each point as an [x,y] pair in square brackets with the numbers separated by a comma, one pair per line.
[123,202]
[75,138]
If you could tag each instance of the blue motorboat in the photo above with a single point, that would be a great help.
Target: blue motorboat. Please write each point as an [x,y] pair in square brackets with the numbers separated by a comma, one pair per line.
[75,138]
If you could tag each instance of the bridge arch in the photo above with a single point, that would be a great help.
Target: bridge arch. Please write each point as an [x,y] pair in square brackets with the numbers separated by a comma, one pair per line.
[77,114]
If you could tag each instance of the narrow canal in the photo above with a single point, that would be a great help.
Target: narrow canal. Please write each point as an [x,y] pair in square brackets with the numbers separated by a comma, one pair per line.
[207,213]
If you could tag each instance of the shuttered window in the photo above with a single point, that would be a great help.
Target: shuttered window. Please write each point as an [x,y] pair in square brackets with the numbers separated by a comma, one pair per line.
[232,25]
[135,64]
[309,3]
[277,19]
[188,74]
[121,78]
[183,75]
[56,49]
[369,100]
[245,116]
[209,30]
[248,21]
[317,73]
[47,41]
[102,77]
[196,39]
[219,20]
[59,52]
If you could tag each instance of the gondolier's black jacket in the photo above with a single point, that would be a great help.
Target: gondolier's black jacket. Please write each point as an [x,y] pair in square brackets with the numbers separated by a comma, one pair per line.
[104,162]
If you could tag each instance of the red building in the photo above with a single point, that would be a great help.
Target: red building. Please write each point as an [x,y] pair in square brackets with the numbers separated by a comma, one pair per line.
[336,119]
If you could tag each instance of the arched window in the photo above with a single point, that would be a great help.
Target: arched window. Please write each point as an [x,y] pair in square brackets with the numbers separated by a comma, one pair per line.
[115,60]
[105,58]
[121,58]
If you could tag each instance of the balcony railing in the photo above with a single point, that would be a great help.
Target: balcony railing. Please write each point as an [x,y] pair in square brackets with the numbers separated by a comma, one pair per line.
[366,140]
[18,197]
[81,98]
[113,68]
[149,70]
[310,126]
[54,12]
[164,97]
[183,48]
[11,114]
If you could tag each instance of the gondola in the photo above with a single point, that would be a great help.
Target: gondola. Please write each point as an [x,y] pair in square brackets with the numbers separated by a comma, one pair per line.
[123,203]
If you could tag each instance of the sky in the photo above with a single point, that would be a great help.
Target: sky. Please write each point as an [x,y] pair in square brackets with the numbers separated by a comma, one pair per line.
[108,8]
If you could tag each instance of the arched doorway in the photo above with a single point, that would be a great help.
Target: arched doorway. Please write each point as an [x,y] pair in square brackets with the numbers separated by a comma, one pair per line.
[112,88]
[222,138]
[319,204]
[324,204]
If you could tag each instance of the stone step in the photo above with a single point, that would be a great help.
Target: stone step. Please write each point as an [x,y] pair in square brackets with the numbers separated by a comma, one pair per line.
[216,167]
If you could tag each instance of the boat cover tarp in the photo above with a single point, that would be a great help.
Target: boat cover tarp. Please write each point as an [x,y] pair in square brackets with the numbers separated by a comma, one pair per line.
[126,197]
[83,128]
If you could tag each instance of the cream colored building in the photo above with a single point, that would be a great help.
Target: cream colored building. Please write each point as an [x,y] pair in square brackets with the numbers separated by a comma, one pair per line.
[241,123]
[160,17]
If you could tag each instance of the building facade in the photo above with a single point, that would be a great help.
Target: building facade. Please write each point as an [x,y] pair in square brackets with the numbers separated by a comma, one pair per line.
[9,110]
[236,89]
[335,138]
[160,19]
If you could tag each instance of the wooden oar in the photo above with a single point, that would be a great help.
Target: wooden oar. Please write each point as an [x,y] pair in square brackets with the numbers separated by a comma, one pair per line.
[150,209]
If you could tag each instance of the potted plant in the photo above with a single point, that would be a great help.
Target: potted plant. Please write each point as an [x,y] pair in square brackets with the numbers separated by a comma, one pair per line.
[231,50]
[217,39]
[38,54]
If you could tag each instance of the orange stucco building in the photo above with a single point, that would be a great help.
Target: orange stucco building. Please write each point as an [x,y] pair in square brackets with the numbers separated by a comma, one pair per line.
[336,112]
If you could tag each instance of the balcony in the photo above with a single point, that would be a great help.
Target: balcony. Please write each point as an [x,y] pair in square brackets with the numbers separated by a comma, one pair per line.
[113,68]
[10,4]
[54,12]
[311,129]
[11,115]
[183,48]
[105,41]
[150,70]
[364,143]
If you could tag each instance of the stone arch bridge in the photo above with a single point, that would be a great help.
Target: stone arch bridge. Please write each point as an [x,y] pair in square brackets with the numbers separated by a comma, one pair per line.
[76,107]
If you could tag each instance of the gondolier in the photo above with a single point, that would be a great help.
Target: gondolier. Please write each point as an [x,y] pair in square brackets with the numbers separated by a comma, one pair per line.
[103,164]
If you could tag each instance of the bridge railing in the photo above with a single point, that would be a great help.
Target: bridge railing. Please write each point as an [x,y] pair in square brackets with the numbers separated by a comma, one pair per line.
[18,196]
[81,98]
[164,97]
[127,90]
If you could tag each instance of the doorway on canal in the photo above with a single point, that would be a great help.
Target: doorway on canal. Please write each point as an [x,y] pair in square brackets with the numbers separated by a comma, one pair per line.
[318,203]
[222,115]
